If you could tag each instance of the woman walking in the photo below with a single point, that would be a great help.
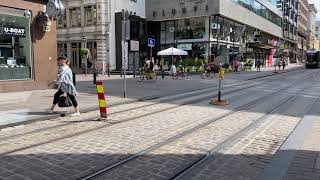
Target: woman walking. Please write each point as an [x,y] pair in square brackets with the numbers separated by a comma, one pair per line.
[65,85]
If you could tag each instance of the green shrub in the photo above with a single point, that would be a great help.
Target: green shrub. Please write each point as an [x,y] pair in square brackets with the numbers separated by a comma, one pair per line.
[226,65]
[84,52]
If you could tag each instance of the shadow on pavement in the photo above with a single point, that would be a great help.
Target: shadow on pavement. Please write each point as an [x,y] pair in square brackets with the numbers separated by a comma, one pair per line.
[70,166]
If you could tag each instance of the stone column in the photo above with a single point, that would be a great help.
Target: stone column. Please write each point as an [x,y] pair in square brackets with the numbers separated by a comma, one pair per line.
[82,15]
[102,52]
[68,17]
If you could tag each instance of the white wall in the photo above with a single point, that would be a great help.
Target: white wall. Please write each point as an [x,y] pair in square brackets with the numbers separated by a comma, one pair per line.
[237,12]
[139,7]
[117,6]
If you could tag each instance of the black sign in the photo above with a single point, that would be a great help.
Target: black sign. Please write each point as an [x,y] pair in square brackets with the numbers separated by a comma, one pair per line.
[14,31]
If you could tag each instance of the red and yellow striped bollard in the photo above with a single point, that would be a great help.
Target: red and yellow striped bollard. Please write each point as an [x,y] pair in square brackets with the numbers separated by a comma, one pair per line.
[102,100]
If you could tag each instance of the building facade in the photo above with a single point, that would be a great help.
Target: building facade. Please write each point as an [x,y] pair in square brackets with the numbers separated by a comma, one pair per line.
[85,25]
[290,9]
[312,12]
[317,41]
[302,30]
[27,46]
[92,24]
[218,31]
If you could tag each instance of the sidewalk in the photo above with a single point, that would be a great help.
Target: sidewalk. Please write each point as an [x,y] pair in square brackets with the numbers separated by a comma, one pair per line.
[19,107]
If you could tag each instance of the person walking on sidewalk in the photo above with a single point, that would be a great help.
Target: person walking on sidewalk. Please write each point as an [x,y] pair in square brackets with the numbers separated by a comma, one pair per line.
[258,64]
[283,64]
[279,64]
[65,85]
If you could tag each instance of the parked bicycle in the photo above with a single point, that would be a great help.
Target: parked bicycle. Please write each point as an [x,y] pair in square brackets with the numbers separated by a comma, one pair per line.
[146,75]
[98,69]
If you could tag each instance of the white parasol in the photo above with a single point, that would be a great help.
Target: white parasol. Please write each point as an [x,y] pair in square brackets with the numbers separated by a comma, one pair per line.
[172,52]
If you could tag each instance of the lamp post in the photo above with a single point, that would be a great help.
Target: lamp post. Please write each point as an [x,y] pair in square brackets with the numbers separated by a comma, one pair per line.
[84,38]
[125,37]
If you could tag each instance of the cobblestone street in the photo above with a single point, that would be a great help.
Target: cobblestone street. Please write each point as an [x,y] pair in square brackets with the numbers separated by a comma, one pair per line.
[269,131]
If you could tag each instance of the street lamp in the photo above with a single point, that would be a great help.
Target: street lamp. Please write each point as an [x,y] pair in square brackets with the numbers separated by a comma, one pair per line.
[84,38]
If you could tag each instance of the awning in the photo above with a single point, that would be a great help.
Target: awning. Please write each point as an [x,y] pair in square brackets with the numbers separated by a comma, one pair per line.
[260,45]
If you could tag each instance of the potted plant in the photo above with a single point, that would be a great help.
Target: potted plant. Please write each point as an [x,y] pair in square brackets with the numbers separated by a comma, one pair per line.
[84,52]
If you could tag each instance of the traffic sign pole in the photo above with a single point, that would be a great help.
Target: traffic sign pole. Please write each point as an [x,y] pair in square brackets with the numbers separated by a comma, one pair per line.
[151,44]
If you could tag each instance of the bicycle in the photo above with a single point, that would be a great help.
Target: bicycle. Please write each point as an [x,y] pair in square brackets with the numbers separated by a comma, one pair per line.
[96,68]
[178,74]
[207,74]
[146,75]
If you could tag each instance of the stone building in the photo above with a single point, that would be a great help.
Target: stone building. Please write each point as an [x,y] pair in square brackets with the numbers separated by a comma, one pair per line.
[302,30]
[92,24]
[312,12]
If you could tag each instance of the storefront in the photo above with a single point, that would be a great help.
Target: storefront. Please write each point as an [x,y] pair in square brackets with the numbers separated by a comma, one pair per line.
[27,46]
[216,39]
[15,48]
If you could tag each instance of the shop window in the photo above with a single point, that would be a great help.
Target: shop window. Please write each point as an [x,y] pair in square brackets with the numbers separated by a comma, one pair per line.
[92,46]
[227,31]
[215,27]
[163,33]
[75,17]
[191,28]
[15,47]
[134,29]
[90,15]
[62,49]
[170,32]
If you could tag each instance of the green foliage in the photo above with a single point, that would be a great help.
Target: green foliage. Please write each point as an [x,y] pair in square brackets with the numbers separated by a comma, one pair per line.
[84,52]
[200,69]
[198,63]
[192,62]
[185,62]
[226,65]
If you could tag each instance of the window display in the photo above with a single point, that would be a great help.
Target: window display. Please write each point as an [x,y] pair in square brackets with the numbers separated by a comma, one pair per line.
[192,28]
[15,47]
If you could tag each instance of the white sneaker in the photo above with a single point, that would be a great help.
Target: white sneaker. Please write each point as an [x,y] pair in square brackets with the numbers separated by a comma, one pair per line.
[75,114]
[50,111]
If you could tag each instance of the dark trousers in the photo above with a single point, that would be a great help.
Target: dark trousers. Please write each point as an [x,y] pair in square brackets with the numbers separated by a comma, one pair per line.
[59,93]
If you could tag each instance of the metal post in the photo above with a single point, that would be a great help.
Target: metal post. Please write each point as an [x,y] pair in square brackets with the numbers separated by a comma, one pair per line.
[109,70]
[150,53]
[85,47]
[94,77]
[125,84]
[74,78]
[219,93]
[134,65]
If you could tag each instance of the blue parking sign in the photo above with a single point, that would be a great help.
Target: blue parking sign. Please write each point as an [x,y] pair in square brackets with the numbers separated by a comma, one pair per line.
[151,42]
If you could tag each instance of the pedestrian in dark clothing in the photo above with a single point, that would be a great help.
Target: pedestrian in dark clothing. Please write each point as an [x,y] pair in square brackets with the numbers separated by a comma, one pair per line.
[283,64]
[65,84]
[279,64]
[258,64]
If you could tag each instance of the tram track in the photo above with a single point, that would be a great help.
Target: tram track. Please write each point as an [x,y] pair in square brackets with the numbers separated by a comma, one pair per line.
[57,136]
[233,139]
[157,102]
[80,132]
[191,130]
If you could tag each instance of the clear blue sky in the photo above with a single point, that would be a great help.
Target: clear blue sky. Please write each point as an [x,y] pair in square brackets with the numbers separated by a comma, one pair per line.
[317,3]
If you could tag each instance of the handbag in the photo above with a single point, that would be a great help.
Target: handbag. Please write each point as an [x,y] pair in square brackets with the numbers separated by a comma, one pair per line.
[64,101]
